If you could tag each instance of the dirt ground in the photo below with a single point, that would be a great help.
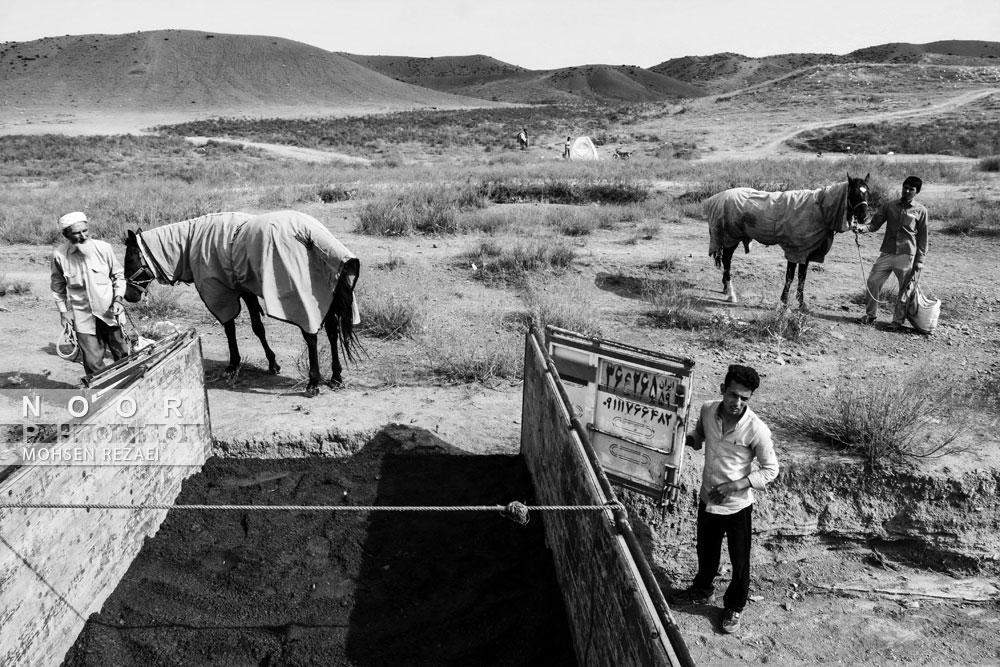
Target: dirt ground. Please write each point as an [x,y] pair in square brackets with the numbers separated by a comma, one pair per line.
[893,612]
[341,588]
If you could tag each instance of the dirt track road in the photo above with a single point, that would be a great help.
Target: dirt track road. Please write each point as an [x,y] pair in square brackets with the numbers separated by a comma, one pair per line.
[960,100]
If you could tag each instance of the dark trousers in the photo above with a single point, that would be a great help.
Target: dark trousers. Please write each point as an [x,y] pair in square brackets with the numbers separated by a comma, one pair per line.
[737,528]
[93,346]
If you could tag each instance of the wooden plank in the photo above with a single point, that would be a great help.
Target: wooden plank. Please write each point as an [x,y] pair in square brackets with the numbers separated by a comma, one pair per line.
[57,566]
[611,614]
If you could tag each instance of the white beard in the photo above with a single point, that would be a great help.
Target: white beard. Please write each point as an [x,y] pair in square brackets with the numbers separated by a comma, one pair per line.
[87,249]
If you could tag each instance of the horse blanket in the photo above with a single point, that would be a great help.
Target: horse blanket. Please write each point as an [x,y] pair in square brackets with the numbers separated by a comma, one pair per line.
[289,260]
[802,222]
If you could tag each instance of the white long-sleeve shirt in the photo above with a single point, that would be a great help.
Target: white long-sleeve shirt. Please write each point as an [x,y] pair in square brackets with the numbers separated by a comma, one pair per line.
[729,456]
[86,284]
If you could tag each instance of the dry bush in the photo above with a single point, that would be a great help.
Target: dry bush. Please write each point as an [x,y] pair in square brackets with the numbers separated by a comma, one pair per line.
[13,287]
[159,303]
[776,325]
[567,305]
[512,263]
[888,419]
[423,209]
[976,217]
[390,304]
[483,350]
[673,305]
[991,163]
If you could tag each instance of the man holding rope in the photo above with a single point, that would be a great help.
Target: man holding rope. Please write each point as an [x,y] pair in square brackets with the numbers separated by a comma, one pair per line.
[902,251]
[88,285]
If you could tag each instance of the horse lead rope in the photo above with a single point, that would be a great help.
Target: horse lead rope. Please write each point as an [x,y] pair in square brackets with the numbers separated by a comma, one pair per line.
[861,265]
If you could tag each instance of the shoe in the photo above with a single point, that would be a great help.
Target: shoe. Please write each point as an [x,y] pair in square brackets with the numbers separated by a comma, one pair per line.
[866,320]
[730,621]
[691,596]
[895,326]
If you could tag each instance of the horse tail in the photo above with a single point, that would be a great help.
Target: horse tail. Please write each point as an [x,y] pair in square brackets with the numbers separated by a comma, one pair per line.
[343,308]
[717,256]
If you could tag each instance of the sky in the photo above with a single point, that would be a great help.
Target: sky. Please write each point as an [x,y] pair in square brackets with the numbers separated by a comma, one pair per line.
[536,34]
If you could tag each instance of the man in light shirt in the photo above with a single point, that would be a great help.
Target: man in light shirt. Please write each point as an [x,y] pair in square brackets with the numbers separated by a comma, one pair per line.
[901,253]
[88,285]
[733,437]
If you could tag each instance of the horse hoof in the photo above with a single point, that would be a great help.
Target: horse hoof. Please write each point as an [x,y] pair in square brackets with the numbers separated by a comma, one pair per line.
[336,382]
[232,370]
[274,369]
[732,298]
[312,390]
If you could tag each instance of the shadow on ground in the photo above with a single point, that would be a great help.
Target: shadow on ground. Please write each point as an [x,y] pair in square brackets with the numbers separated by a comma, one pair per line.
[341,587]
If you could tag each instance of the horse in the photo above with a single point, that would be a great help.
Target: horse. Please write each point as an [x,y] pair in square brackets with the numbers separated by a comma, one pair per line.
[802,222]
[285,259]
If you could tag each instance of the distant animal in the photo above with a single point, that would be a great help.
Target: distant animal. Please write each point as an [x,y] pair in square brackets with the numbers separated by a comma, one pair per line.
[802,222]
[522,138]
[619,154]
[285,264]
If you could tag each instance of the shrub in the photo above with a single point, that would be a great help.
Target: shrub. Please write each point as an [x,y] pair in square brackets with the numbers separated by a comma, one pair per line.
[567,306]
[979,217]
[389,314]
[159,303]
[557,191]
[483,350]
[672,305]
[427,209]
[13,287]
[511,264]
[777,324]
[991,163]
[886,420]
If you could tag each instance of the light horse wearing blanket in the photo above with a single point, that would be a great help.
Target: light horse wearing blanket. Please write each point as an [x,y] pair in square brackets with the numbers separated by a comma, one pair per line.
[802,222]
[285,264]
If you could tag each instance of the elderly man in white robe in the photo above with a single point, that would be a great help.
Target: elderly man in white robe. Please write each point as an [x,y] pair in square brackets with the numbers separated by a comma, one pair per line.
[88,285]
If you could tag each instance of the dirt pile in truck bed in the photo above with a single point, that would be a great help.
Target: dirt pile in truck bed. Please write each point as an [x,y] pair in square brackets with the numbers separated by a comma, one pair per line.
[341,588]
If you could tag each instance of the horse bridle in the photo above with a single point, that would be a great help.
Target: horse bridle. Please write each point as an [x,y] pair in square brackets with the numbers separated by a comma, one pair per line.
[135,281]
[851,208]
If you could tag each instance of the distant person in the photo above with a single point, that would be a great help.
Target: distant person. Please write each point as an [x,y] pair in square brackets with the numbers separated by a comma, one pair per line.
[566,149]
[902,252]
[733,437]
[88,285]
[522,138]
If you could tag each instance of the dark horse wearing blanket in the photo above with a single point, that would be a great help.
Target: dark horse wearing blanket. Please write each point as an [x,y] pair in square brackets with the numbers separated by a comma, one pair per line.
[286,265]
[802,222]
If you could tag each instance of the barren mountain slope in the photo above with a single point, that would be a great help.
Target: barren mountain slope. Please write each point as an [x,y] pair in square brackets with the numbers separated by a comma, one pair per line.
[726,72]
[488,78]
[190,69]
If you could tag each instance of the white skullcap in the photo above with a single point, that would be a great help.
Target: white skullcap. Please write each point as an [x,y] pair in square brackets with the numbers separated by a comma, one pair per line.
[71,219]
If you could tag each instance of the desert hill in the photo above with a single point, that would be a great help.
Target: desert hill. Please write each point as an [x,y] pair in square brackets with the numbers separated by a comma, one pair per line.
[191,69]
[488,78]
[725,72]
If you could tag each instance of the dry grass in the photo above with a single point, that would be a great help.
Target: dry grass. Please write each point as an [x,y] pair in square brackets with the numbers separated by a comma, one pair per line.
[511,262]
[887,420]
[13,287]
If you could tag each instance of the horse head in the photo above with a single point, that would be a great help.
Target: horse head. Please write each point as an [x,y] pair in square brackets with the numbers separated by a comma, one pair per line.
[857,198]
[138,275]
